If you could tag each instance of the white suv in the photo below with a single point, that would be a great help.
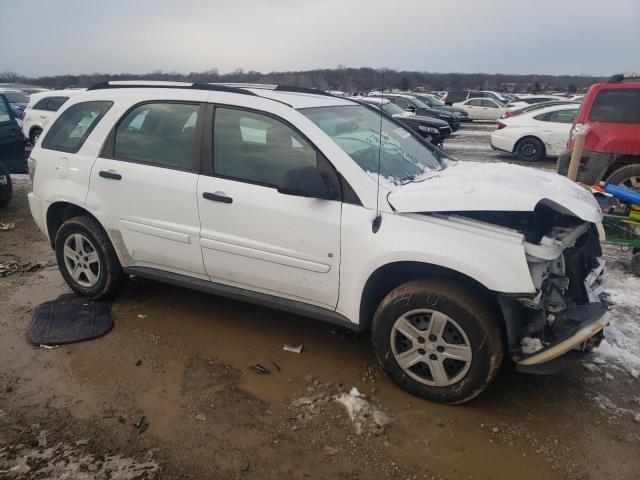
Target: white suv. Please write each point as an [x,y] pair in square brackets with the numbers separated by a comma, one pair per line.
[272,194]
[41,109]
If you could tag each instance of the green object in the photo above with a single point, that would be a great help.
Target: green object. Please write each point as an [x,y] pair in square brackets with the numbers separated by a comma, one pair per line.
[621,230]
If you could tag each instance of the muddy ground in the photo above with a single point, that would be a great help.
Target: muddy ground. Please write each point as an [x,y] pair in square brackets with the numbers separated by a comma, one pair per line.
[181,359]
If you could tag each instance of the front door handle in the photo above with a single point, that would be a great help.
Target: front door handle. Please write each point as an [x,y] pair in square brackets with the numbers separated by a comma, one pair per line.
[110,174]
[217,197]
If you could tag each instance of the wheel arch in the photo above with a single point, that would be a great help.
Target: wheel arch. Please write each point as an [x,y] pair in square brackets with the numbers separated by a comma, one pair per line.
[621,161]
[58,212]
[391,275]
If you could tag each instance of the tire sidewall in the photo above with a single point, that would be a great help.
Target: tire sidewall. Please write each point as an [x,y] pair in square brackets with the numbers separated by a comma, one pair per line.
[623,173]
[69,228]
[482,342]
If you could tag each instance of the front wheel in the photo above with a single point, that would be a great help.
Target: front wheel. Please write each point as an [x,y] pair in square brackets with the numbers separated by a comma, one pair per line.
[438,340]
[86,258]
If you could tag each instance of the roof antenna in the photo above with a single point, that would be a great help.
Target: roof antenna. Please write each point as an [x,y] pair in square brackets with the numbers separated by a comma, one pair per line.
[375,225]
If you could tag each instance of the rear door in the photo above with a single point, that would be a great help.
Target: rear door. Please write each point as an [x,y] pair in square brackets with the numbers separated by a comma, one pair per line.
[474,107]
[554,129]
[491,110]
[143,185]
[254,237]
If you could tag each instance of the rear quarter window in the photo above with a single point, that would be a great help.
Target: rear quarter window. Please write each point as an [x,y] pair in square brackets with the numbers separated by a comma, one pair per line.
[72,128]
[619,105]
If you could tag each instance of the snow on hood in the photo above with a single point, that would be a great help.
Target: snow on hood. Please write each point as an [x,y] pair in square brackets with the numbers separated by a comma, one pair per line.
[478,186]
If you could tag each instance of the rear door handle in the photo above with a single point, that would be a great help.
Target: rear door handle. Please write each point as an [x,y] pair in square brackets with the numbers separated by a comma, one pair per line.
[217,197]
[110,174]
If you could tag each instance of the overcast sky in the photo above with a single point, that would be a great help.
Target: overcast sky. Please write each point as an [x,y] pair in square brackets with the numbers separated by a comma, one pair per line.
[43,37]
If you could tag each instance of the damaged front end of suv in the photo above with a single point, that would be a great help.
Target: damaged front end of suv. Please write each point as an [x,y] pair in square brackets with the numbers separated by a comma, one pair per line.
[569,308]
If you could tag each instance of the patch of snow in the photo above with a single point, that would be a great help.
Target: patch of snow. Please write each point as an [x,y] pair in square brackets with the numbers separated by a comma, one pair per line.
[531,345]
[622,337]
[362,412]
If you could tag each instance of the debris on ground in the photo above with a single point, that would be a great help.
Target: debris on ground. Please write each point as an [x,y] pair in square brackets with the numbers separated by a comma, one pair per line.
[45,459]
[7,226]
[276,365]
[292,348]
[259,369]
[11,267]
[141,425]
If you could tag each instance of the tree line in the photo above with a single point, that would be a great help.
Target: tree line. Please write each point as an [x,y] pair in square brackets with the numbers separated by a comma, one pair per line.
[341,78]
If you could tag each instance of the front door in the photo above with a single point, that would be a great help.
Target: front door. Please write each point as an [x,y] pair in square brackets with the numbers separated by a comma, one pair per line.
[144,186]
[255,238]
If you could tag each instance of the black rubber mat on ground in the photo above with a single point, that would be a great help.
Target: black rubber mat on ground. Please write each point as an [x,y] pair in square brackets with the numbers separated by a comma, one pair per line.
[69,318]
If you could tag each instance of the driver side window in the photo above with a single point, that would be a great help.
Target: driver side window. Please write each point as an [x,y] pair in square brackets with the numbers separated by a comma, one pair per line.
[257,148]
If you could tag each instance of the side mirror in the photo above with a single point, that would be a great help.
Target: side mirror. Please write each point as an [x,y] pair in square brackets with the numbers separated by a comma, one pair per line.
[411,108]
[306,182]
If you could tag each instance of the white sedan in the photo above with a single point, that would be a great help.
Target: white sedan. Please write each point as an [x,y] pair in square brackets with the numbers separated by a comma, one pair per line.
[482,108]
[534,135]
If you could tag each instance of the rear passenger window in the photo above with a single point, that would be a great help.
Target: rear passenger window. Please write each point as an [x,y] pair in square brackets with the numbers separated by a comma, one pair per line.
[42,104]
[73,126]
[257,148]
[162,134]
[616,106]
[55,103]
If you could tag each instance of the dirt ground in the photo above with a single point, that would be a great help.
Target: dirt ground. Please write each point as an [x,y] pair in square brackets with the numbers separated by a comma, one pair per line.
[181,360]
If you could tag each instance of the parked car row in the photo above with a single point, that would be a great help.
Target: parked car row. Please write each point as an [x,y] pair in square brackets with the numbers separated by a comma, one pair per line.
[431,129]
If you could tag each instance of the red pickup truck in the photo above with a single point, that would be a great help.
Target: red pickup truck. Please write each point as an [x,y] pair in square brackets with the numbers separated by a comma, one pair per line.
[612,146]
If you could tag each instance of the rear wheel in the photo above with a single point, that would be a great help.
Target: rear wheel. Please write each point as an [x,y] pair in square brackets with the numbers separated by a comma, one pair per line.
[530,150]
[438,340]
[628,176]
[86,258]
[6,188]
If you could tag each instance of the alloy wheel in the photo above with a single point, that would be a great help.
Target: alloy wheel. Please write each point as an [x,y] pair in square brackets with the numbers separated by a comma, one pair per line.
[81,260]
[632,182]
[431,347]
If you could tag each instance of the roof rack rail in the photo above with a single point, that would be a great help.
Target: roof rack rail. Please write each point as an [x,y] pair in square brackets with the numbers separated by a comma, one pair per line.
[294,89]
[192,86]
[622,77]
[278,88]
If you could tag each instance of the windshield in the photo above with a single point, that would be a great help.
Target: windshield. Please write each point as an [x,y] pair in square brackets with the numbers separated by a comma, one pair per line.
[392,108]
[356,128]
[434,100]
[419,103]
[16,97]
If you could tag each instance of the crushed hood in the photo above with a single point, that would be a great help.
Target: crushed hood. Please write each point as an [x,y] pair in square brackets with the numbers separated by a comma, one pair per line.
[477,186]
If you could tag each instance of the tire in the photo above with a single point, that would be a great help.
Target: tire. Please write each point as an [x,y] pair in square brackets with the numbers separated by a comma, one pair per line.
[6,191]
[100,273]
[469,330]
[34,135]
[530,150]
[628,176]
